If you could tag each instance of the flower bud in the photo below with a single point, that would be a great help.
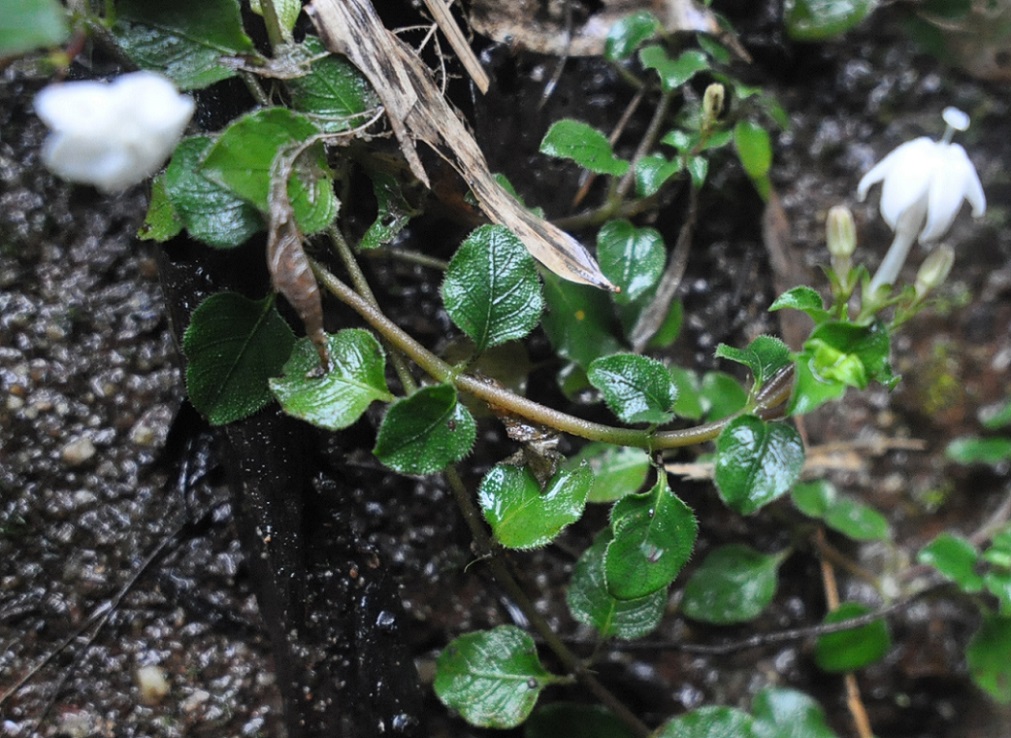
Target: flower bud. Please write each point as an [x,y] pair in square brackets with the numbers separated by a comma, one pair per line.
[712,103]
[840,232]
[934,270]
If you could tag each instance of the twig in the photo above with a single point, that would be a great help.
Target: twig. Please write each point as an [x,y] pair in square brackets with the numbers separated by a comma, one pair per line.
[442,16]
[503,399]
[590,177]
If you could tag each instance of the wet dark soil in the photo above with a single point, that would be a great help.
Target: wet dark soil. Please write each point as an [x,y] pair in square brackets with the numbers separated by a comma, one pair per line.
[115,556]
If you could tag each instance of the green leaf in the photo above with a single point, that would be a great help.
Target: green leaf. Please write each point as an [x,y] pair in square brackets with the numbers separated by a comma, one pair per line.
[754,148]
[688,389]
[811,390]
[492,678]
[756,462]
[491,290]
[818,20]
[522,515]
[998,583]
[668,332]
[654,534]
[233,345]
[722,395]
[717,52]
[698,168]
[652,172]
[561,720]
[989,657]
[339,397]
[629,33]
[996,416]
[955,558]
[787,713]
[210,212]
[394,212]
[185,40]
[857,521]
[813,498]
[578,321]
[804,299]
[588,147]
[162,222]
[733,584]
[633,258]
[591,603]
[334,94]
[636,388]
[287,12]
[845,515]
[765,356]
[242,160]
[617,470]
[426,432]
[852,649]
[31,24]
[970,450]
[673,72]
[710,722]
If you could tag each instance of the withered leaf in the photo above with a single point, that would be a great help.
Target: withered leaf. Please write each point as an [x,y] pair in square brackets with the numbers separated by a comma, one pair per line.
[418,112]
[290,271]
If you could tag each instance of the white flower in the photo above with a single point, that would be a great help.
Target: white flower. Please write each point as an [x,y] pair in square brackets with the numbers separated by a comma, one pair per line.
[924,184]
[112,135]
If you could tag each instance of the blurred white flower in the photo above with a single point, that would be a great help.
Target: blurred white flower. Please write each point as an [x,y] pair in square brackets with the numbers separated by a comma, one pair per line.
[112,135]
[924,184]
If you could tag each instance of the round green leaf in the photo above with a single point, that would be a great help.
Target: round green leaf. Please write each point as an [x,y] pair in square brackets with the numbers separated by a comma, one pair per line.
[673,72]
[633,258]
[811,390]
[186,39]
[849,650]
[334,94]
[491,290]
[756,462]
[733,584]
[583,144]
[754,148]
[689,391]
[210,212]
[765,356]
[722,395]
[996,416]
[813,498]
[591,603]
[652,172]
[523,516]
[233,345]
[989,657]
[636,388]
[31,24]
[710,722]
[617,470]
[802,298]
[955,558]
[578,321]
[629,33]
[425,432]
[162,222]
[857,521]
[970,450]
[492,678]
[654,534]
[817,20]
[242,160]
[337,398]
[787,713]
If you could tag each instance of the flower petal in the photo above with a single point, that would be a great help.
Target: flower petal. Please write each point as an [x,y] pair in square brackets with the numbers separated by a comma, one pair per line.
[909,179]
[953,181]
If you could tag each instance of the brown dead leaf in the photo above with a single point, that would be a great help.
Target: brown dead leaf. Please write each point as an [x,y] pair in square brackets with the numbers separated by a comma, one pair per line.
[543,27]
[290,271]
[418,112]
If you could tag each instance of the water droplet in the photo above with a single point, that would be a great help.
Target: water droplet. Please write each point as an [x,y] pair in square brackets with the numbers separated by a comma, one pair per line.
[652,552]
[386,620]
[532,683]
[402,722]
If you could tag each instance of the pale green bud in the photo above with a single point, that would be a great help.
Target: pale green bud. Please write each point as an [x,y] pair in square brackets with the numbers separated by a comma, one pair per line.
[934,270]
[840,233]
[712,103]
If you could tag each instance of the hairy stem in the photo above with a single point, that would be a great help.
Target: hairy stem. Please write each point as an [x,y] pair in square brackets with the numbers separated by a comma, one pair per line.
[503,400]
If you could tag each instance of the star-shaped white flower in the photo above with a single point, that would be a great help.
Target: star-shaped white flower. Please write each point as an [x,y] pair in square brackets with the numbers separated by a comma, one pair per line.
[112,135]
[924,184]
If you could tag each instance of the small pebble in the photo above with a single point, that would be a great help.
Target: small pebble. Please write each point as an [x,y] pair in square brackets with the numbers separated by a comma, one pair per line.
[152,684]
[78,451]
